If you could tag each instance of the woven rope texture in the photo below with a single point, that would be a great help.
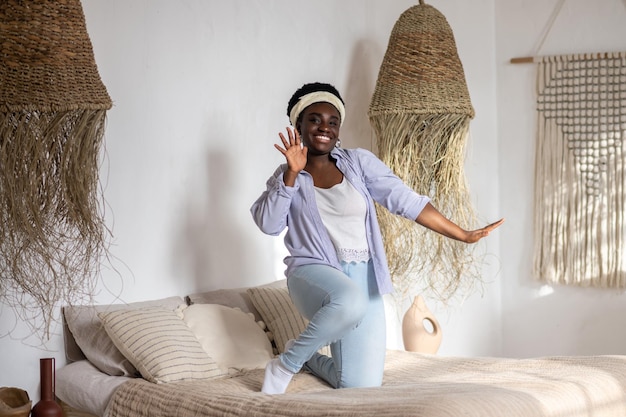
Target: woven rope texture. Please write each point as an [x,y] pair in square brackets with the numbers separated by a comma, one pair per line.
[421,72]
[46,58]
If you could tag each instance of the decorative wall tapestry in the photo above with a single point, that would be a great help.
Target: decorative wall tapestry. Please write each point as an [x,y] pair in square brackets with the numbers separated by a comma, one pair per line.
[580,170]
[52,115]
[420,112]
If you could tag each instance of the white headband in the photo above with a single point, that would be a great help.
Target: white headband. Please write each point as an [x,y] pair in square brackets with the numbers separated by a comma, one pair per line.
[316,97]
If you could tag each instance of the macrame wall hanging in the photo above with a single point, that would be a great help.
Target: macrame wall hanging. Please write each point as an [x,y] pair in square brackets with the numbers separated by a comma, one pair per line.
[420,113]
[580,176]
[52,115]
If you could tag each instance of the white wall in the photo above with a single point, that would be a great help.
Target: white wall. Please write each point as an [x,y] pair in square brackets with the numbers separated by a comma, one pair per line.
[544,319]
[200,89]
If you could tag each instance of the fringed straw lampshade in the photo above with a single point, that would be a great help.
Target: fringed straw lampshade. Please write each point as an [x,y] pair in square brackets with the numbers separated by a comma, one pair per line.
[52,115]
[420,112]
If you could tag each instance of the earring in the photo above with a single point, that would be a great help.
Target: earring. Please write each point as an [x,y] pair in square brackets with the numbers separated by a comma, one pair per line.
[338,144]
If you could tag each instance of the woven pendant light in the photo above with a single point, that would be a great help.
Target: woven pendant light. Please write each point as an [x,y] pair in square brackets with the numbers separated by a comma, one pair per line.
[52,114]
[420,112]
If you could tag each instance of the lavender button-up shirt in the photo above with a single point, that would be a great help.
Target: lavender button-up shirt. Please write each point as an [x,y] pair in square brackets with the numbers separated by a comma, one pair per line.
[306,239]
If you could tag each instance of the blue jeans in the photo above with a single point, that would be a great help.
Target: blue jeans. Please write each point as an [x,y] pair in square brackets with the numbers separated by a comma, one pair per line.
[344,310]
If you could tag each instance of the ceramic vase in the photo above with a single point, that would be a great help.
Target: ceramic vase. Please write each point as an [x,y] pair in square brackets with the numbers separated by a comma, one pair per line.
[420,329]
[47,406]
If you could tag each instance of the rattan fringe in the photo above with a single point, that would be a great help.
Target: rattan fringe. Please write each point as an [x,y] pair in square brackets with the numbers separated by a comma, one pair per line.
[52,117]
[420,112]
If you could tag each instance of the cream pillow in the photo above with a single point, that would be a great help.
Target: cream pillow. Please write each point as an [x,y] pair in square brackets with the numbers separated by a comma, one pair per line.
[228,335]
[280,315]
[159,344]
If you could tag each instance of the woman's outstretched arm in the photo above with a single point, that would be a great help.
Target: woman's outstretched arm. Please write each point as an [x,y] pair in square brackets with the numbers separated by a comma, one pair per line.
[432,219]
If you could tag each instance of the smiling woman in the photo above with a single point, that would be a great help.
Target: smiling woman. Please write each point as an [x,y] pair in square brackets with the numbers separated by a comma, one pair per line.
[337,270]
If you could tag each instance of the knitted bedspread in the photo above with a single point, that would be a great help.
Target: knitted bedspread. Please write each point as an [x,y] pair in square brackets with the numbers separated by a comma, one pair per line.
[414,385]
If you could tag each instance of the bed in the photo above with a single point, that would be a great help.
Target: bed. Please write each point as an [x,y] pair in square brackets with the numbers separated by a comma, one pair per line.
[219,341]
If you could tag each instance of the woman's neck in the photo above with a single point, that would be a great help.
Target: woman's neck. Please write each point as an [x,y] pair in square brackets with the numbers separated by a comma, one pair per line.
[323,170]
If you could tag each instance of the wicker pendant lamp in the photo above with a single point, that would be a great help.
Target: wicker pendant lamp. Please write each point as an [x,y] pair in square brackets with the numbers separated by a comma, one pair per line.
[420,112]
[52,114]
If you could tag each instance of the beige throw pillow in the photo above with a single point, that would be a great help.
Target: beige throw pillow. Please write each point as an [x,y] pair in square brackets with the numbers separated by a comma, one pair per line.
[280,315]
[232,297]
[87,330]
[159,344]
[229,336]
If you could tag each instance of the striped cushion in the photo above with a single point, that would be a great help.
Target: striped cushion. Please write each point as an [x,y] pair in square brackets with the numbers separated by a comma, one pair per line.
[280,315]
[159,344]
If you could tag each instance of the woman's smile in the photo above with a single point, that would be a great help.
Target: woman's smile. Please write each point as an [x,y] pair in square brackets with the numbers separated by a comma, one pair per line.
[322,138]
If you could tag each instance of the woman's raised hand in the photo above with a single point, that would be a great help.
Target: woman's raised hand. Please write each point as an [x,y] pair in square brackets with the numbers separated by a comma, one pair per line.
[294,152]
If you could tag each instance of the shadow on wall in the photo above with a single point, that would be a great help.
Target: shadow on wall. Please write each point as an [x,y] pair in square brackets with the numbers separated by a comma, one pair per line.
[360,85]
[212,246]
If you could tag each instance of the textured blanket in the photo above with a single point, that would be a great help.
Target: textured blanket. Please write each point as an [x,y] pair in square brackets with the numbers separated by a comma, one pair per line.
[414,385]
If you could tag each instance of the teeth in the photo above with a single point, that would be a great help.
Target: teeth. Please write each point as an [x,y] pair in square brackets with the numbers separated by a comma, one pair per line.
[325,138]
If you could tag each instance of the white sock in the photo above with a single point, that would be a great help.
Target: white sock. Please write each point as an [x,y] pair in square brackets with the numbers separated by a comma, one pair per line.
[276,379]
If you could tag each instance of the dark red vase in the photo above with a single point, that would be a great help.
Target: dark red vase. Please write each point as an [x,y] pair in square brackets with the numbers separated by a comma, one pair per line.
[47,406]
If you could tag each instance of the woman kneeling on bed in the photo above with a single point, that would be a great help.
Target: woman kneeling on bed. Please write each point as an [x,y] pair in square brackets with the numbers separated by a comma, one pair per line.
[337,270]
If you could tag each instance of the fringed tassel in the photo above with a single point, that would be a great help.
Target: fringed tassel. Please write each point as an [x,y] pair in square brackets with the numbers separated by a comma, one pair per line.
[52,232]
[432,166]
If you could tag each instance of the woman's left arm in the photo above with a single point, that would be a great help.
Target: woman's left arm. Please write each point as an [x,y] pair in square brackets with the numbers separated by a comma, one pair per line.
[432,219]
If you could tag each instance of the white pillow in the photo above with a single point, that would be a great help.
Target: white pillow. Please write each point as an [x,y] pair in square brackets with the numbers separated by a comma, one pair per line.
[159,344]
[229,336]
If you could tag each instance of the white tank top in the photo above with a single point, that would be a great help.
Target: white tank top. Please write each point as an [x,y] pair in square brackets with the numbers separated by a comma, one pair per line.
[343,211]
